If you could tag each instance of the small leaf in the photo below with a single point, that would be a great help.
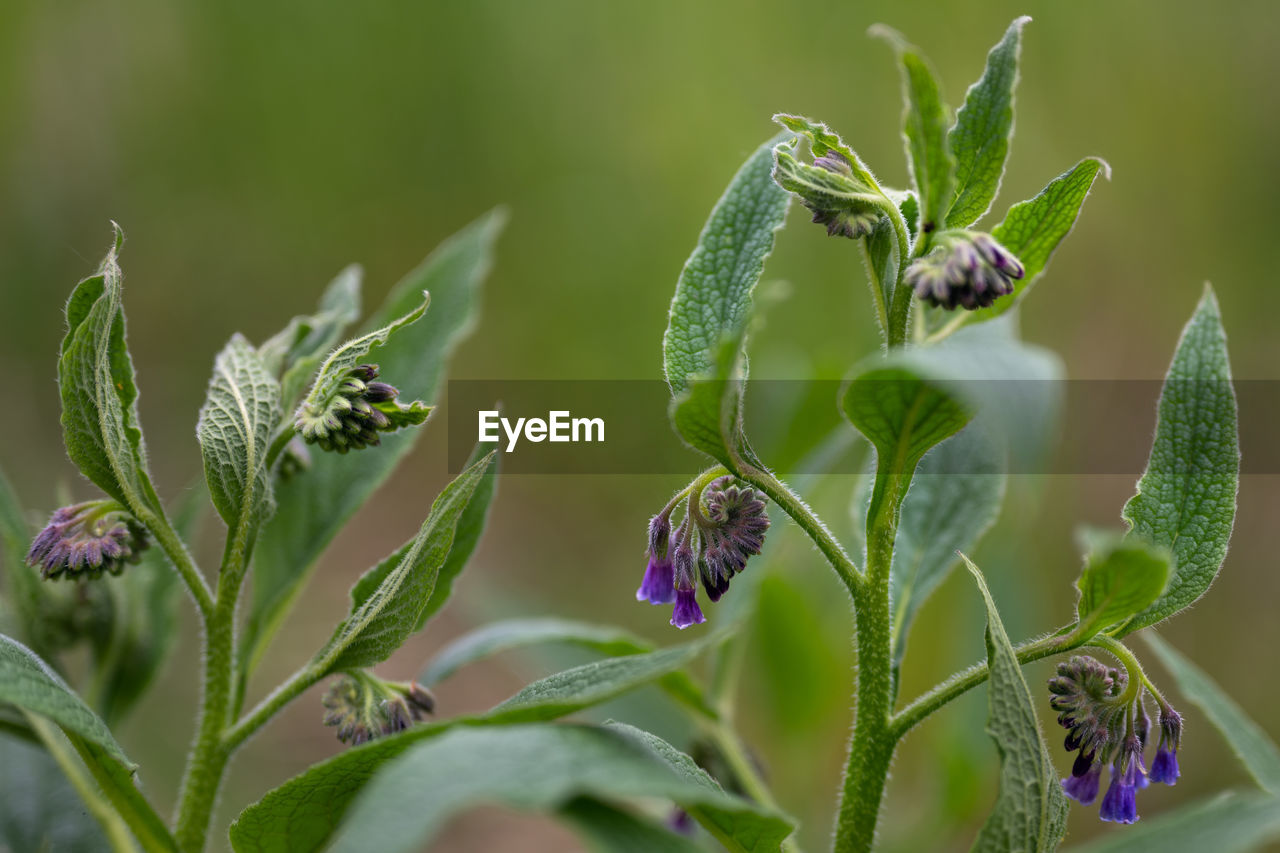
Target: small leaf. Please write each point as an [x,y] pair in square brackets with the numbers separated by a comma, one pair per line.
[925,123]
[99,398]
[608,829]
[712,301]
[903,413]
[980,138]
[823,141]
[1121,577]
[311,509]
[533,768]
[240,411]
[1033,229]
[1186,499]
[1031,810]
[1251,745]
[1231,823]
[520,633]
[382,618]
[592,683]
[707,414]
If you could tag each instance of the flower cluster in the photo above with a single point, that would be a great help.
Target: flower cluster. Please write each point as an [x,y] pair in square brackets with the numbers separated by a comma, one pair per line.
[87,539]
[353,415]
[850,219]
[364,707]
[723,527]
[968,269]
[1107,723]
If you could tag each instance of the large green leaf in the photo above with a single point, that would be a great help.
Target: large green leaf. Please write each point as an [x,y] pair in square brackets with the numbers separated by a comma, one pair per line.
[22,585]
[537,768]
[38,805]
[713,295]
[954,499]
[1231,823]
[383,617]
[465,539]
[609,829]
[301,814]
[1121,577]
[925,122]
[1033,229]
[99,397]
[1186,499]
[29,683]
[240,412]
[312,508]
[707,414]
[511,634]
[1031,811]
[979,140]
[1251,745]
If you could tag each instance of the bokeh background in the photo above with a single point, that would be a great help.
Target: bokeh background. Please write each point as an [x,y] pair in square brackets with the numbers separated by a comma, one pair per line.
[252,150]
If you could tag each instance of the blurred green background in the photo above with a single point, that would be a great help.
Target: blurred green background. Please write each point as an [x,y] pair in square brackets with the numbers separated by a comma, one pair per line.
[252,150]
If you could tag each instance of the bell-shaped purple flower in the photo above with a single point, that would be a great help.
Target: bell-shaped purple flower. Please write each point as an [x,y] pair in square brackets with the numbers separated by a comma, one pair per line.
[1120,803]
[1084,788]
[1165,766]
[686,612]
[658,586]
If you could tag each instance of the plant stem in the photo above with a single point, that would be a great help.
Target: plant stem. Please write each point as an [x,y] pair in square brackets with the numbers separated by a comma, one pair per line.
[808,521]
[967,679]
[872,746]
[740,764]
[269,707]
[176,551]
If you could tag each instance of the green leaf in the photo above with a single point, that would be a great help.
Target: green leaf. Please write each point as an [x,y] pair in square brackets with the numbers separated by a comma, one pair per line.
[311,509]
[294,353]
[383,617]
[36,811]
[22,584]
[240,412]
[99,398]
[1122,576]
[707,414]
[608,829]
[599,681]
[1251,745]
[306,809]
[533,768]
[1033,229]
[712,301]
[1186,499]
[902,412]
[1031,810]
[925,122]
[1231,823]
[465,539]
[823,141]
[521,633]
[979,140]
[954,499]
[29,683]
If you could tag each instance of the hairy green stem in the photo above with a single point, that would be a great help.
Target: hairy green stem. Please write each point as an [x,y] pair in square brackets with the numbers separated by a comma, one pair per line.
[792,505]
[297,684]
[902,297]
[176,551]
[872,745]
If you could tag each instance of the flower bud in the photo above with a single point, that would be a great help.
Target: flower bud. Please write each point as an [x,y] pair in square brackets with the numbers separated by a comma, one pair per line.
[364,707]
[968,269]
[353,416]
[87,539]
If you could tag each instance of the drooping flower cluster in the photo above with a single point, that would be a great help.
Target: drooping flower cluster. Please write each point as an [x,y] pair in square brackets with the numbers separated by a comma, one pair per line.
[1108,724]
[353,415]
[968,269]
[364,707]
[839,198]
[87,539]
[723,527]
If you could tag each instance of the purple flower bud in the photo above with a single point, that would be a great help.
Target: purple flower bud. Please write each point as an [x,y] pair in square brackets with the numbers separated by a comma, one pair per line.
[1083,788]
[379,392]
[967,269]
[353,416]
[1164,768]
[87,539]
[364,707]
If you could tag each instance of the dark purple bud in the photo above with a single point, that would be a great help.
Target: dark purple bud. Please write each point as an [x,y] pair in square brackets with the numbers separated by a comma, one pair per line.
[1082,763]
[380,392]
[364,372]
[659,534]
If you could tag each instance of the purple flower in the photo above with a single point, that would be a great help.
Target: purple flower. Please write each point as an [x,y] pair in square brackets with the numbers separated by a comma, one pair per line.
[1084,788]
[968,269]
[1120,803]
[1165,766]
[658,586]
[686,612]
